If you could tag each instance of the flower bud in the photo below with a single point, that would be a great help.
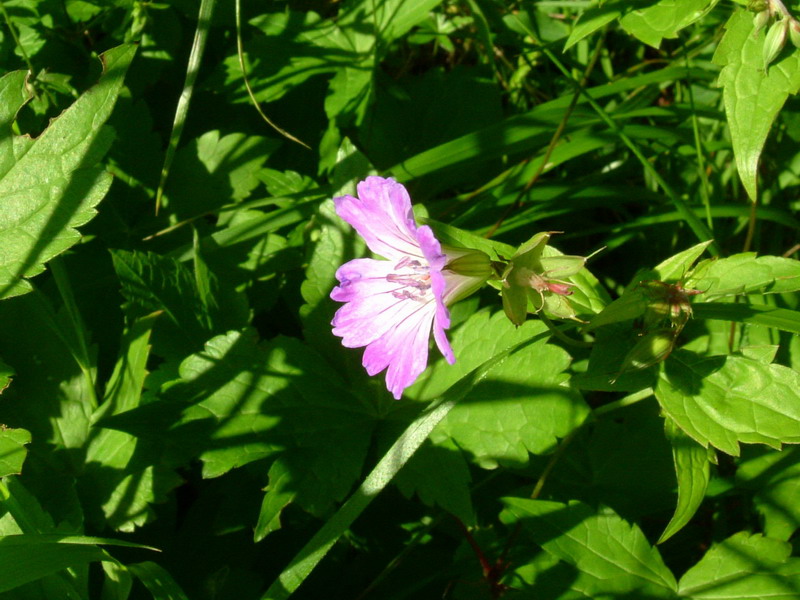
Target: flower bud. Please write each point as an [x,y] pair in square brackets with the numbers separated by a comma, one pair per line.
[758,6]
[775,41]
[794,32]
[467,270]
[760,19]
[651,349]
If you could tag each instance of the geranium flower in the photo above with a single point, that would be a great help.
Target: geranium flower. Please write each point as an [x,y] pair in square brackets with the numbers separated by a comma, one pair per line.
[393,305]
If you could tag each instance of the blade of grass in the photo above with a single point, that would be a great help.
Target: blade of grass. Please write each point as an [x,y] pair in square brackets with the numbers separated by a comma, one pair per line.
[398,455]
[240,54]
[755,314]
[695,223]
[192,69]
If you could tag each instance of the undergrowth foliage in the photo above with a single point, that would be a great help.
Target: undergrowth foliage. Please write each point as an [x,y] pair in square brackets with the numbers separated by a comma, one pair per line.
[603,245]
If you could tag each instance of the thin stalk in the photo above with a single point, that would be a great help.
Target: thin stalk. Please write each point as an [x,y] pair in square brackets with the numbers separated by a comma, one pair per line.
[701,166]
[14,35]
[696,225]
[256,103]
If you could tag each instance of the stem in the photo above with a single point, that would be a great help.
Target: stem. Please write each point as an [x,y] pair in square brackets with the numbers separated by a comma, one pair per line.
[561,335]
[14,35]
[694,222]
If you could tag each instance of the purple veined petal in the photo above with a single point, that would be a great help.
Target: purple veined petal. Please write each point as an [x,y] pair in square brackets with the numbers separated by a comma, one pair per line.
[403,349]
[361,276]
[382,216]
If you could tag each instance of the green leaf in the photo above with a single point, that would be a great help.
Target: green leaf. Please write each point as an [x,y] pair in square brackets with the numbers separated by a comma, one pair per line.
[593,19]
[12,450]
[664,19]
[515,410]
[114,481]
[439,476]
[745,274]
[53,183]
[744,567]
[158,581]
[27,557]
[726,400]
[774,479]
[756,314]
[753,96]
[676,267]
[614,557]
[693,473]
[6,374]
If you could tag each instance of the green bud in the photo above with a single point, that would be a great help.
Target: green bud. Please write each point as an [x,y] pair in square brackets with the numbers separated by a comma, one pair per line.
[651,349]
[469,270]
[775,41]
[794,32]
[760,20]
[758,6]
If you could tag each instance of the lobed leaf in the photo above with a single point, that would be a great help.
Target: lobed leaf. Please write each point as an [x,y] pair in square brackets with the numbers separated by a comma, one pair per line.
[727,400]
[744,567]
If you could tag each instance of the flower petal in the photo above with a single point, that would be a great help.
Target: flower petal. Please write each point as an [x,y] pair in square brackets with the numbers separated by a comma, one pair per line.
[382,216]
[404,349]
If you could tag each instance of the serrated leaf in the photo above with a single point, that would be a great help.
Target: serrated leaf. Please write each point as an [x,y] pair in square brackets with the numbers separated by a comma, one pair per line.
[54,183]
[237,403]
[745,274]
[744,567]
[727,400]
[693,473]
[12,450]
[113,480]
[518,408]
[614,556]
[676,267]
[774,479]
[753,97]
[664,19]
[439,476]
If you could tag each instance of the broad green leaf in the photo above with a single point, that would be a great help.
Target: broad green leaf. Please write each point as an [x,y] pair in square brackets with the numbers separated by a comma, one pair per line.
[27,557]
[117,582]
[664,19]
[774,479]
[593,19]
[518,408]
[753,96]
[745,274]
[744,567]
[723,401]
[14,93]
[614,557]
[12,450]
[693,473]
[237,403]
[54,184]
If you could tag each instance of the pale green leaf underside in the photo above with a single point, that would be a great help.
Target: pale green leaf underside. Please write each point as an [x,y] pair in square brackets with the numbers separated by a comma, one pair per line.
[753,96]
[53,184]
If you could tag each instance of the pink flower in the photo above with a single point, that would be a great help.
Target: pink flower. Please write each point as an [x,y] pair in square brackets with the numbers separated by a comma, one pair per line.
[392,305]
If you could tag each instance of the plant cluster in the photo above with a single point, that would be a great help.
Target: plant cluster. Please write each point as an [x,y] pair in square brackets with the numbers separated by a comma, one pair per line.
[218,301]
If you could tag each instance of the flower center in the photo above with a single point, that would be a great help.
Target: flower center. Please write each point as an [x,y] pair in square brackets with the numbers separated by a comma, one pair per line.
[414,279]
